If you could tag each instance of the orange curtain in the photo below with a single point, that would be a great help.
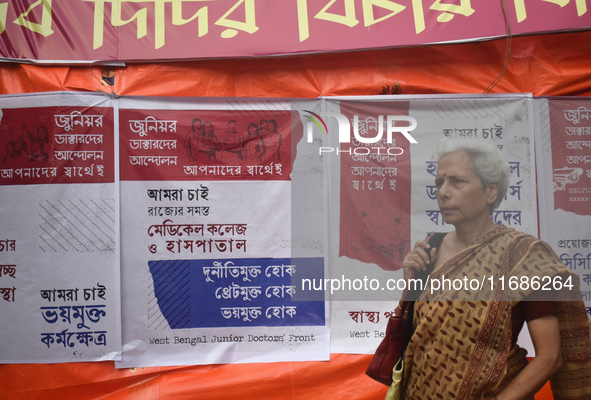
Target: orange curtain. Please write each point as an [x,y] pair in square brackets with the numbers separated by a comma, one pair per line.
[545,65]
[343,377]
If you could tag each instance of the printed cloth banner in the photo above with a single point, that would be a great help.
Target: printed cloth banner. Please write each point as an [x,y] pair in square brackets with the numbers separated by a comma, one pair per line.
[165,231]
[59,229]
[382,192]
[564,170]
[131,30]
[207,267]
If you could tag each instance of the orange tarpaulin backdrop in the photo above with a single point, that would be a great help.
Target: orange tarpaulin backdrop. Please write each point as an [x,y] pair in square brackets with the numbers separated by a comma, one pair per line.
[340,378]
[545,65]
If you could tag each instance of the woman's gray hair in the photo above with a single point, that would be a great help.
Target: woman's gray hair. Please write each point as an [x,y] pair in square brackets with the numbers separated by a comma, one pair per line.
[488,162]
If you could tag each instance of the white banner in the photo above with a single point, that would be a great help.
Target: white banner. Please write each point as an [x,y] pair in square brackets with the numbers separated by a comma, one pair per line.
[59,230]
[207,264]
[564,171]
[383,196]
[240,218]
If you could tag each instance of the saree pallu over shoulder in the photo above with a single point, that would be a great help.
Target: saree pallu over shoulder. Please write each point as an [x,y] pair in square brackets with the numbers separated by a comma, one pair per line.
[573,380]
[504,265]
[461,348]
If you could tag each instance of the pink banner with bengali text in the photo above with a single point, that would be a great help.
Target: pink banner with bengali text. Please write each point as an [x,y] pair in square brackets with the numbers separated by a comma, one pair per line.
[128,30]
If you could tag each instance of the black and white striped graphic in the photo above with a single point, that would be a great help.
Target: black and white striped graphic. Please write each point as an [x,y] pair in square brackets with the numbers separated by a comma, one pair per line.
[77,225]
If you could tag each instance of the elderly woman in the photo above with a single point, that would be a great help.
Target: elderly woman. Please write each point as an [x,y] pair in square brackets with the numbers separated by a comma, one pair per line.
[464,341]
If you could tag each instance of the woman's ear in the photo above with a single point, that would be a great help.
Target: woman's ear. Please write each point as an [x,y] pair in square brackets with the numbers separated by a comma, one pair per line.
[492,192]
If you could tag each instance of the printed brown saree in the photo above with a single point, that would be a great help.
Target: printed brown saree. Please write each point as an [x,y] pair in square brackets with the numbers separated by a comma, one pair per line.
[461,348]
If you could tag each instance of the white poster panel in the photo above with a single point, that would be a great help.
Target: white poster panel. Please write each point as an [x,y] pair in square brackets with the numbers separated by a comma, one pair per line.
[59,225]
[239,217]
[563,150]
[383,195]
[206,235]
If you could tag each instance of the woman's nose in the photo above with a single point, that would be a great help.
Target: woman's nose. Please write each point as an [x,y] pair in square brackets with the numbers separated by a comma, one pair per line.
[442,190]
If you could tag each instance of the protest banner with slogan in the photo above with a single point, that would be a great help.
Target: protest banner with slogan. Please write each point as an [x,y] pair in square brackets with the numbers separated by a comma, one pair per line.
[206,206]
[248,230]
[132,30]
[59,240]
[382,194]
[564,171]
